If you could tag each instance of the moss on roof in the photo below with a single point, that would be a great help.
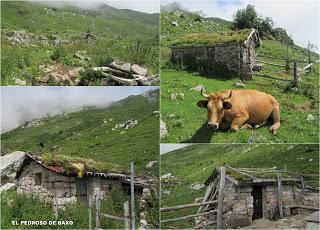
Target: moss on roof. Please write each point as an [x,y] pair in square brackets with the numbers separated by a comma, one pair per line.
[89,165]
[213,38]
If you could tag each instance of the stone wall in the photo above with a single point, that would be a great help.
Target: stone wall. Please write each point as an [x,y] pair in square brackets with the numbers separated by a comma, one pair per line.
[57,188]
[233,57]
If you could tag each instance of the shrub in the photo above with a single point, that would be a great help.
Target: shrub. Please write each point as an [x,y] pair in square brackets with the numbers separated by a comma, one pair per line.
[249,18]
[58,53]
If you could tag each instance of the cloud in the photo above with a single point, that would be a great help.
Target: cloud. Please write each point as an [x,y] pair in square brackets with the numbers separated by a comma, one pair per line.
[165,148]
[21,104]
[147,6]
[299,18]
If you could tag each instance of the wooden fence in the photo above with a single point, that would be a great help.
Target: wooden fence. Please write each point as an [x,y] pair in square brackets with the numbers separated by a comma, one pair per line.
[209,199]
[127,219]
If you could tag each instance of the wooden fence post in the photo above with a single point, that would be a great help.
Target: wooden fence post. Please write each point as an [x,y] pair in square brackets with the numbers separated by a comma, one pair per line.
[220,196]
[126,215]
[98,196]
[133,214]
[295,74]
[280,194]
[303,187]
[89,210]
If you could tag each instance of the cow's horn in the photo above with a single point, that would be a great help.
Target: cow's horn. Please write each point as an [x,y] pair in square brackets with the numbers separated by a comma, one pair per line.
[202,92]
[228,97]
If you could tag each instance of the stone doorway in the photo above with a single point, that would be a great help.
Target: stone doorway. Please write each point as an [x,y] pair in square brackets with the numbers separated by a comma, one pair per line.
[257,202]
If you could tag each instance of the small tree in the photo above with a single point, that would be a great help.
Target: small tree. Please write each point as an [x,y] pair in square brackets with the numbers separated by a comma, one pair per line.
[245,18]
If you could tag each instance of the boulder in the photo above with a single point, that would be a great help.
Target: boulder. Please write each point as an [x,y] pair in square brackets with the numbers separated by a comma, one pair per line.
[310,118]
[174,23]
[150,164]
[126,67]
[10,164]
[139,70]
[7,186]
[196,186]
[82,55]
[20,82]
[240,84]
[257,67]
[197,88]
[167,176]
[54,77]
[176,96]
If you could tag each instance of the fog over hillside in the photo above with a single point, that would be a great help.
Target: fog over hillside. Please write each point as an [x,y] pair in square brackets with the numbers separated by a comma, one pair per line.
[147,6]
[21,104]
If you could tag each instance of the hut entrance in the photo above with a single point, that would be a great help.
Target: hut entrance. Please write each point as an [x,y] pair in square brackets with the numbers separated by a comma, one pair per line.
[81,189]
[257,202]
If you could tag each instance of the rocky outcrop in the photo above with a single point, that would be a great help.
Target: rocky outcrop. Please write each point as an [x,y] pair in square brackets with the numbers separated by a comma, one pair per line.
[9,165]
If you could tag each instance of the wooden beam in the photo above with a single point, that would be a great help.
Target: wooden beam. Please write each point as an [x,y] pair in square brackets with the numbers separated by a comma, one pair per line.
[133,211]
[269,63]
[173,208]
[267,76]
[112,217]
[188,217]
[295,74]
[207,195]
[238,171]
[220,196]
[280,194]
[89,211]
[126,215]
[98,197]
[205,225]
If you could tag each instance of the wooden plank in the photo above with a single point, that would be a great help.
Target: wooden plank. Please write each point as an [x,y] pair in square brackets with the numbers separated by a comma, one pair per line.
[269,63]
[267,76]
[112,217]
[89,210]
[188,217]
[173,208]
[98,196]
[280,194]
[236,182]
[207,195]
[205,225]
[303,206]
[240,172]
[133,211]
[302,184]
[126,215]
[220,196]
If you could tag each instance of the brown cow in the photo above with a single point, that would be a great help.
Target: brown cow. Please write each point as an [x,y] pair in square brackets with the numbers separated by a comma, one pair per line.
[240,109]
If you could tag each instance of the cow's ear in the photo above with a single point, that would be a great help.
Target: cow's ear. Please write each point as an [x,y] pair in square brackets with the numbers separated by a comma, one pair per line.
[227,105]
[202,104]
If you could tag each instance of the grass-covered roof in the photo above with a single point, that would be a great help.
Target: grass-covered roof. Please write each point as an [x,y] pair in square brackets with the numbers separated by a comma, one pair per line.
[213,38]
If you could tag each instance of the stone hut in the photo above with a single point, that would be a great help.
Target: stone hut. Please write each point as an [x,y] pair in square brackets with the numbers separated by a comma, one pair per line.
[249,198]
[53,184]
[218,53]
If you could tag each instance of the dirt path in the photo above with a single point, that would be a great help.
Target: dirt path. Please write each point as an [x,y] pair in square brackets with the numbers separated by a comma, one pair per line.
[292,222]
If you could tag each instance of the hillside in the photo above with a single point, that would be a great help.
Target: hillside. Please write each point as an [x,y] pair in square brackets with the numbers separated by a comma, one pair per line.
[92,133]
[39,29]
[195,163]
[187,123]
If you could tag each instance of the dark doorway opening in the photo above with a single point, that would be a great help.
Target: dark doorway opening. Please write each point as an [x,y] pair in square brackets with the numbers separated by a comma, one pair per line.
[257,202]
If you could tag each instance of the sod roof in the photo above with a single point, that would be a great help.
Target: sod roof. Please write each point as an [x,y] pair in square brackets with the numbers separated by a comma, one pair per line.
[213,38]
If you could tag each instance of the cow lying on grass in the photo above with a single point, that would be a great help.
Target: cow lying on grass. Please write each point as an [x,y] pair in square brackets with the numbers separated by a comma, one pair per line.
[240,109]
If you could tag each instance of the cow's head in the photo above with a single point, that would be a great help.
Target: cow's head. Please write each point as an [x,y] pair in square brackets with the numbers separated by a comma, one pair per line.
[216,104]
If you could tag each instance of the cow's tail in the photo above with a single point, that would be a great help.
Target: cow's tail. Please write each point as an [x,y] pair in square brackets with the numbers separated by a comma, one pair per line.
[275,116]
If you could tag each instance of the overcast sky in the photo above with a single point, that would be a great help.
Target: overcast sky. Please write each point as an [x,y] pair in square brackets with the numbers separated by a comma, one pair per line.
[21,104]
[300,17]
[147,6]
[165,148]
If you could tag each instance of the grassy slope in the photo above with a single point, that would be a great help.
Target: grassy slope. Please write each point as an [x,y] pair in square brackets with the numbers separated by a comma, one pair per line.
[72,24]
[83,134]
[195,163]
[187,123]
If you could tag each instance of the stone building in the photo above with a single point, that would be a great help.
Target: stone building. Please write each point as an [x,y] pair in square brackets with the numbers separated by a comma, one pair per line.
[248,199]
[52,184]
[218,53]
